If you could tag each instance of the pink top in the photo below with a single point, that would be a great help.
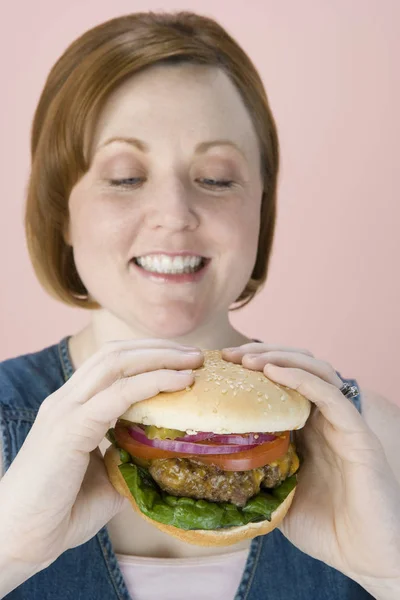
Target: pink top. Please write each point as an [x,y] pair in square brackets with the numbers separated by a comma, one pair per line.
[211,577]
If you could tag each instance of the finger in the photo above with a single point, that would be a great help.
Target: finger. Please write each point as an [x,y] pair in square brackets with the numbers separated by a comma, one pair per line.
[335,407]
[108,405]
[236,354]
[316,367]
[116,346]
[118,364]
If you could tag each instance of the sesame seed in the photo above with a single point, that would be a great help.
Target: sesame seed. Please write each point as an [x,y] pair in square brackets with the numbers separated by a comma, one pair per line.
[224,391]
[269,406]
[259,393]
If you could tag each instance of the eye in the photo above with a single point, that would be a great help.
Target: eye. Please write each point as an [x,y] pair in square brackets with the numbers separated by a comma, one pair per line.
[129,182]
[219,183]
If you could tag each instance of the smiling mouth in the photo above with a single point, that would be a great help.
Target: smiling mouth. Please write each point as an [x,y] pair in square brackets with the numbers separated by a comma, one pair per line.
[157,268]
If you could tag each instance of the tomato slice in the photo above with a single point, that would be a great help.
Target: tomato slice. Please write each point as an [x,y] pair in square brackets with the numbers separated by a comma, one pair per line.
[262,455]
[240,461]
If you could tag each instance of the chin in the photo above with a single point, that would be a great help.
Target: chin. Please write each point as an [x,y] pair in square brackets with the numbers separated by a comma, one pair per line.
[171,323]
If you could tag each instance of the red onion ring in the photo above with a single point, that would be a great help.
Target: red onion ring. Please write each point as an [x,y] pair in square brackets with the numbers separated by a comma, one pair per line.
[186,447]
[245,439]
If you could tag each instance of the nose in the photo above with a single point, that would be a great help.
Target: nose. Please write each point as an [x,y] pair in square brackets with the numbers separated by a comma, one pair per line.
[172,208]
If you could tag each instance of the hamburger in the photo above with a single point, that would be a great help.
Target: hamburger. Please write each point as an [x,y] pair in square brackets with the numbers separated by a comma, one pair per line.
[215,463]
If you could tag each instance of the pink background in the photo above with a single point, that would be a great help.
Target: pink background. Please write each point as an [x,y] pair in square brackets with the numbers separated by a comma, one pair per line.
[331,71]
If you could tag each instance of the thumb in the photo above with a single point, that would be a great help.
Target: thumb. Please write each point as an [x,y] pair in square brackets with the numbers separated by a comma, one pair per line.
[97,501]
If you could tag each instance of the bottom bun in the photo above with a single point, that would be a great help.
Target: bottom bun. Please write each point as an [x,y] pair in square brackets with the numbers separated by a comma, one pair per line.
[199,537]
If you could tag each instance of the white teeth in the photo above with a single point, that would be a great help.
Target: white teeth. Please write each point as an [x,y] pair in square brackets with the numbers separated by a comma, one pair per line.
[161,263]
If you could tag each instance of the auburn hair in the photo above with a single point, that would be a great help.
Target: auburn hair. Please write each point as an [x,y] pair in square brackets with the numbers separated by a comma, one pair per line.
[75,91]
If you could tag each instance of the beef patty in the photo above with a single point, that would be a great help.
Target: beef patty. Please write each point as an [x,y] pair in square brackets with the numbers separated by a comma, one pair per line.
[188,477]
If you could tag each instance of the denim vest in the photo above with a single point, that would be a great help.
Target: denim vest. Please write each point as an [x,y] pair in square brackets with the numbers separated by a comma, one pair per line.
[275,569]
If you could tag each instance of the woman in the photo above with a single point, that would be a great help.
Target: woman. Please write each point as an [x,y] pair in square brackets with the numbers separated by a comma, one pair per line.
[151,203]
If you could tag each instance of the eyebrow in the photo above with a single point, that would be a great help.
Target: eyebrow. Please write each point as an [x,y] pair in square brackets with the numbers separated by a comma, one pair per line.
[200,148]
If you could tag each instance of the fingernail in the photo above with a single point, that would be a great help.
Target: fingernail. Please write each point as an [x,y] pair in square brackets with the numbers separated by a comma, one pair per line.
[231,349]
[187,372]
[198,352]
[253,356]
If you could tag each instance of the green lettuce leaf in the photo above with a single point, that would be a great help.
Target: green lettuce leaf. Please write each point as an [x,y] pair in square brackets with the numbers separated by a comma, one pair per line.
[188,513]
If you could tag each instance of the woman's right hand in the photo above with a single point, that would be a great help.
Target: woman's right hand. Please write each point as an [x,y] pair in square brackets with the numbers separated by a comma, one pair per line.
[56,494]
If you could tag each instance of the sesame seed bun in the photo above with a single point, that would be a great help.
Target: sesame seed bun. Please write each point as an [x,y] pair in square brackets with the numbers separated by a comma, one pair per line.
[225,398]
[199,537]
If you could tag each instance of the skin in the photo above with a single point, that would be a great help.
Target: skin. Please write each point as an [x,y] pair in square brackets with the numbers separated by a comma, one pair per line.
[172,209]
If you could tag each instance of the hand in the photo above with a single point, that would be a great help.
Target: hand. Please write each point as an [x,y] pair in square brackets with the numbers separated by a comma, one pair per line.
[56,494]
[346,509]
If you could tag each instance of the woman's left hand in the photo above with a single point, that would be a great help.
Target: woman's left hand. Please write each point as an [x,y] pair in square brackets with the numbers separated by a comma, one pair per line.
[346,509]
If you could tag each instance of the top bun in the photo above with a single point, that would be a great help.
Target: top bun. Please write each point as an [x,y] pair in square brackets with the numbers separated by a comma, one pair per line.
[224,398]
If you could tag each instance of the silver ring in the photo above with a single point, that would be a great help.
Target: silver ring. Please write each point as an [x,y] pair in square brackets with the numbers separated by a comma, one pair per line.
[350,391]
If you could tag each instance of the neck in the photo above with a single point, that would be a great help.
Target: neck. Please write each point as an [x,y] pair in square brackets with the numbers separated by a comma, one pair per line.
[218,333]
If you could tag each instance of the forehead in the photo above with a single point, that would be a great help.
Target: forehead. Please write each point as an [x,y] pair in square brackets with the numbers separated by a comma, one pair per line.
[181,105]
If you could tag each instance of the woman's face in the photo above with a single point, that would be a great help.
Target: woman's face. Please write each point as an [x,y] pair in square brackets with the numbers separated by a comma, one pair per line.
[170,202]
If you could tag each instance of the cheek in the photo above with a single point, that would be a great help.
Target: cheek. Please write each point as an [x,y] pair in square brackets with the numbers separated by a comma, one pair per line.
[240,230]
[99,228]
